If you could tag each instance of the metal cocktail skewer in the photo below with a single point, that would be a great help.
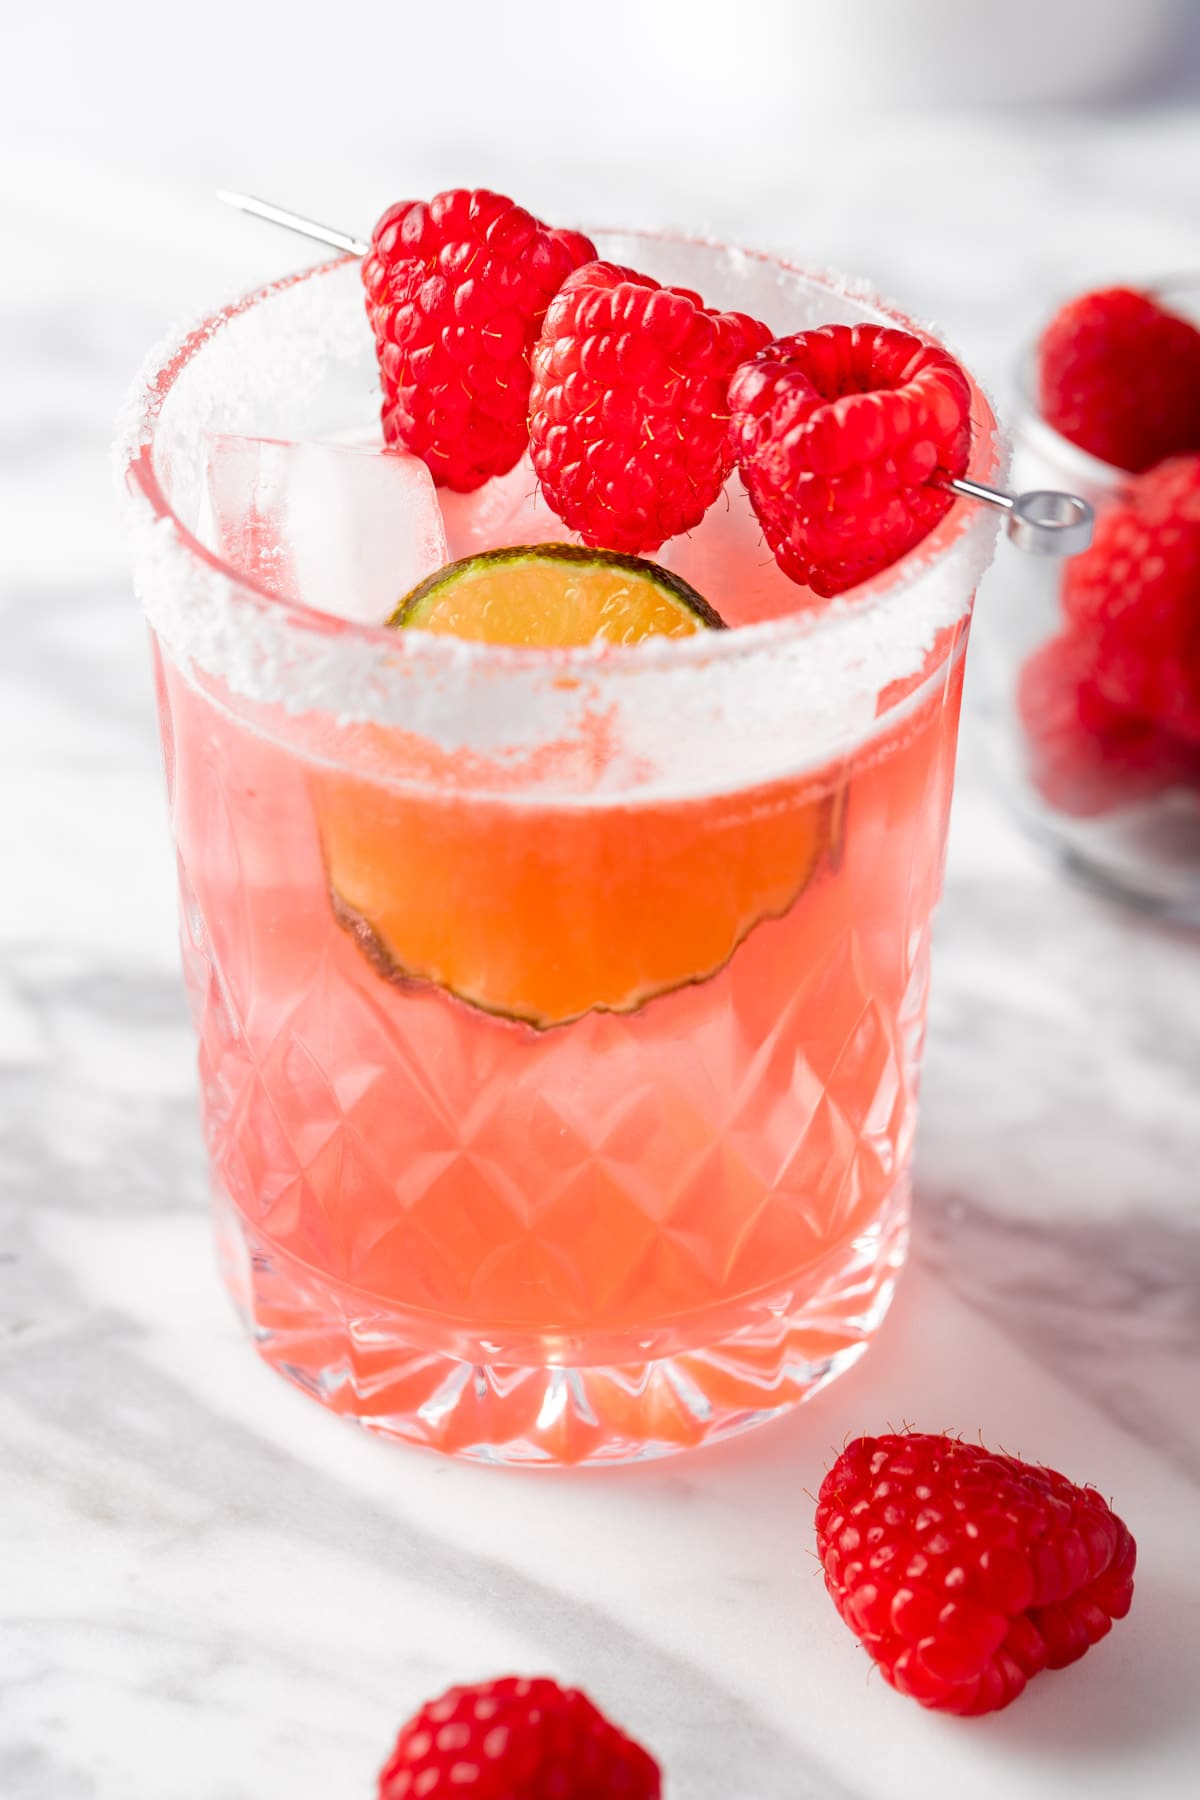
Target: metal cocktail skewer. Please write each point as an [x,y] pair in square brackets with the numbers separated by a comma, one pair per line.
[1043,522]
[291,221]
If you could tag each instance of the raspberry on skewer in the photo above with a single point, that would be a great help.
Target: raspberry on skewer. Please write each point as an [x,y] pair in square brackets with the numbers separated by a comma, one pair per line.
[457,289]
[456,294]
[626,406]
[629,407]
[853,441]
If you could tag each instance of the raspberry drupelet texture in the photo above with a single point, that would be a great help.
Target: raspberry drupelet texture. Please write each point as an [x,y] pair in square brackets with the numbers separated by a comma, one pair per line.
[628,412]
[1135,597]
[457,289]
[1120,377]
[965,1573]
[841,434]
[516,1739]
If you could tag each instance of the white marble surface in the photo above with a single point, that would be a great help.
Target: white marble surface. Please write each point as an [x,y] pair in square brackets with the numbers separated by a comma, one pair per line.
[211,1590]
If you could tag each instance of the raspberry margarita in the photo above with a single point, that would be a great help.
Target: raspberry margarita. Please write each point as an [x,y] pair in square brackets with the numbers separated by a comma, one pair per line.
[561,992]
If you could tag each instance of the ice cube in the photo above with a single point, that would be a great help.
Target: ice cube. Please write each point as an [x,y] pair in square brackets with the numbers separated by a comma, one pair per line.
[509,509]
[727,559]
[345,529]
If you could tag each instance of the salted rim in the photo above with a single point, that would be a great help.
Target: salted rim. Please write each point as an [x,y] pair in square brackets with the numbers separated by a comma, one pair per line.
[148,505]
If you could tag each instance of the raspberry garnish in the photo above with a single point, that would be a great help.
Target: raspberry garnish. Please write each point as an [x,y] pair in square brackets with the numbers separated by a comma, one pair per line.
[1135,597]
[456,293]
[1120,377]
[1085,755]
[516,1739]
[841,436]
[628,413]
[966,1573]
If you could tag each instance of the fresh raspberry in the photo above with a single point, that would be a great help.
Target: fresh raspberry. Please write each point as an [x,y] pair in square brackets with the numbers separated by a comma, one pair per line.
[965,1573]
[629,413]
[1120,377]
[516,1739]
[456,293]
[1135,595]
[1085,755]
[841,434]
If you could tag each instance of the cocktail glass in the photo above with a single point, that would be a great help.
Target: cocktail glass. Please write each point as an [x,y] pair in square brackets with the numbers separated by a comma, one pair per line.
[560,1013]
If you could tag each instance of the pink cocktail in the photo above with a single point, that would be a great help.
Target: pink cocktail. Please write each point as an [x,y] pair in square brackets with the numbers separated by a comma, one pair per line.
[560,1012]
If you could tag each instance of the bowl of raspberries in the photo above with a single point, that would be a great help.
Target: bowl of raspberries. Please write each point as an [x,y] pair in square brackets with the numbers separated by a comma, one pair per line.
[1104,649]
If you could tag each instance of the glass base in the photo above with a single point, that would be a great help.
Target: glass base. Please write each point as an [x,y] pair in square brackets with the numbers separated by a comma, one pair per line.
[368,1366]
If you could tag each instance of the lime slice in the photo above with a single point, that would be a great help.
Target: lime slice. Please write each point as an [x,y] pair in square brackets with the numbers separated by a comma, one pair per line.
[555,595]
[543,914]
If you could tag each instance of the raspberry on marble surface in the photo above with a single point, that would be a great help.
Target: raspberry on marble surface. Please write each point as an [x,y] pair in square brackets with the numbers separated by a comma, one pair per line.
[516,1739]
[963,1572]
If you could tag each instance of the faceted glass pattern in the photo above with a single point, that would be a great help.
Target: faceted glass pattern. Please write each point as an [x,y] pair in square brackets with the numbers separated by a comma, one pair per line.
[611,1238]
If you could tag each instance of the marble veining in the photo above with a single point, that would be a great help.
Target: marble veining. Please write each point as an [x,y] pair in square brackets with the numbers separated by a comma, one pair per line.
[213,1591]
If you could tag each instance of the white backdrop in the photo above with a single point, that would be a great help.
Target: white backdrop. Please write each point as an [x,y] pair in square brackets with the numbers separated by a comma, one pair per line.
[719,79]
